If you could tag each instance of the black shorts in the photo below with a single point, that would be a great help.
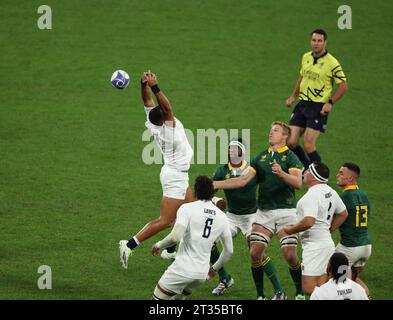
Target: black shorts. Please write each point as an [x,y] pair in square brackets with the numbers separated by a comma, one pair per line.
[307,115]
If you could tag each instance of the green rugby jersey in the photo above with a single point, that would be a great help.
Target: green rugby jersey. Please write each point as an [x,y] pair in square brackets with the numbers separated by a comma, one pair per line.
[243,200]
[354,230]
[274,193]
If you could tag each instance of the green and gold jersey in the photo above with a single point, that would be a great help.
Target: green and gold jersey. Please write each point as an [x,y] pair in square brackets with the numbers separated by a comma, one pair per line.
[243,200]
[274,193]
[319,75]
[354,230]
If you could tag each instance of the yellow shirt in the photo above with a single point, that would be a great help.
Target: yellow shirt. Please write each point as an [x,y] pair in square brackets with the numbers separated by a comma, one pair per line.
[318,77]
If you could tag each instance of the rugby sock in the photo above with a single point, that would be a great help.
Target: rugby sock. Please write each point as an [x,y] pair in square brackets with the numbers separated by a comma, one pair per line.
[271,272]
[296,274]
[171,249]
[301,154]
[133,243]
[214,255]
[257,275]
[314,157]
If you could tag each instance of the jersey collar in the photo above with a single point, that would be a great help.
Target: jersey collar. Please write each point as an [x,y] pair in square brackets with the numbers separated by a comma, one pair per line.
[279,150]
[351,187]
[316,59]
[241,167]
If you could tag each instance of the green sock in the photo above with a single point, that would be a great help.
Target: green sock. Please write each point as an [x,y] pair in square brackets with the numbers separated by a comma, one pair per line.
[215,253]
[296,274]
[270,270]
[257,275]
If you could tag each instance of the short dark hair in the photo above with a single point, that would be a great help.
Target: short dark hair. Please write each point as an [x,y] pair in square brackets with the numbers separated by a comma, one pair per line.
[353,167]
[320,31]
[322,169]
[203,188]
[156,116]
[339,265]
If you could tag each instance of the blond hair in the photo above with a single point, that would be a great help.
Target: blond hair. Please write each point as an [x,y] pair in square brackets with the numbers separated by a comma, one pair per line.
[284,126]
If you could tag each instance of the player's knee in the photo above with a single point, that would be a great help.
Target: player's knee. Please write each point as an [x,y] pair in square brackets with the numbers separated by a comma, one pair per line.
[258,242]
[309,146]
[161,294]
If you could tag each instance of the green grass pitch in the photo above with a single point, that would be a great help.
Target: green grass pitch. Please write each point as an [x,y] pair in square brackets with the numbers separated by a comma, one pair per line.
[72,180]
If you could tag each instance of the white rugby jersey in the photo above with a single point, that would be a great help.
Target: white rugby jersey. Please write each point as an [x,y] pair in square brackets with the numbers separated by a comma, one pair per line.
[205,224]
[172,142]
[347,290]
[320,202]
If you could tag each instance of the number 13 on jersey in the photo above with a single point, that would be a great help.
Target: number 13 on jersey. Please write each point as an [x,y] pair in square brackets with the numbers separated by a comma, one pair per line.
[361,213]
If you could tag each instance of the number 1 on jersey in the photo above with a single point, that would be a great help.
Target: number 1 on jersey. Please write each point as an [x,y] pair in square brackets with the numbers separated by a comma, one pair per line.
[208,228]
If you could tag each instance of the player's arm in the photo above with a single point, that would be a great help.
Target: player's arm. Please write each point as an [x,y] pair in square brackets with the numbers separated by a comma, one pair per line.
[339,93]
[174,237]
[227,251]
[295,92]
[146,92]
[292,178]
[236,183]
[302,225]
[162,100]
[338,220]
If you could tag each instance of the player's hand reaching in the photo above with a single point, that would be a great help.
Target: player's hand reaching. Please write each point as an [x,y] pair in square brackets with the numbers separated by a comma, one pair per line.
[151,78]
[144,78]
[155,251]
[276,169]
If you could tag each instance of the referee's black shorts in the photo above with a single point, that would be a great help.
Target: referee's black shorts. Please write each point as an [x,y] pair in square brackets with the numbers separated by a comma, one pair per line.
[307,114]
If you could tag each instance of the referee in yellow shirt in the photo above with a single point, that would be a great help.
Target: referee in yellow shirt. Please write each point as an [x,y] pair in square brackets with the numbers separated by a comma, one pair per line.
[318,73]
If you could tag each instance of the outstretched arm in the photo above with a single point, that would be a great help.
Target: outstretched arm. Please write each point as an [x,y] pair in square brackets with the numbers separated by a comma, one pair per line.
[171,239]
[146,92]
[162,100]
[235,183]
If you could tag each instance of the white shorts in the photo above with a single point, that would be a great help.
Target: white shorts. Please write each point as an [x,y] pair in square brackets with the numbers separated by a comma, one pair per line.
[174,183]
[357,256]
[275,220]
[176,283]
[240,223]
[315,261]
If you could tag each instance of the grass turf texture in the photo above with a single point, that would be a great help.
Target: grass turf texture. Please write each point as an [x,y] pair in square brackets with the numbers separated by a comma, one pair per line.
[72,181]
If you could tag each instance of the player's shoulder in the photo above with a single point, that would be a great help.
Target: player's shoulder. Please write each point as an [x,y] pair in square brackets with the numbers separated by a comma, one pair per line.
[307,55]
[332,59]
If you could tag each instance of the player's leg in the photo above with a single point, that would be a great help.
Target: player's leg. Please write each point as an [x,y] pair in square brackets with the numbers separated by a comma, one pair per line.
[260,263]
[170,252]
[315,124]
[310,140]
[297,123]
[355,277]
[167,216]
[161,293]
[226,279]
[293,144]
[289,251]
[289,248]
